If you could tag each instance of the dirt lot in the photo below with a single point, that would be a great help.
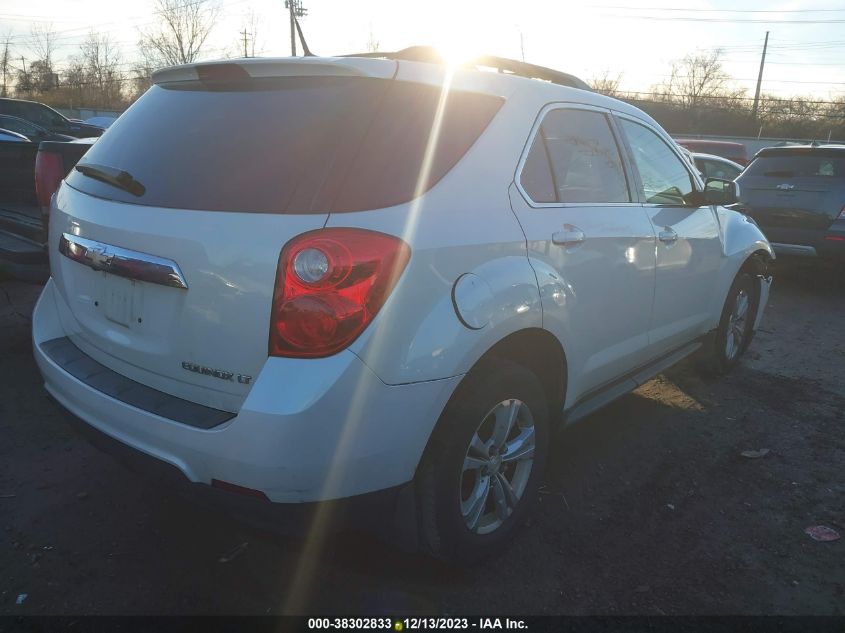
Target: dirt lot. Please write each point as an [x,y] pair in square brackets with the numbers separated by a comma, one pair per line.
[649,507]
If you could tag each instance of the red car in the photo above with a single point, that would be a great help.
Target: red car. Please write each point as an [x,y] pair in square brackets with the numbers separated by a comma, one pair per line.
[726,149]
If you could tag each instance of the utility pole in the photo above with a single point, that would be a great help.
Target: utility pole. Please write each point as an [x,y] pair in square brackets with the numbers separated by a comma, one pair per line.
[759,80]
[246,53]
[26,81]
[295,10]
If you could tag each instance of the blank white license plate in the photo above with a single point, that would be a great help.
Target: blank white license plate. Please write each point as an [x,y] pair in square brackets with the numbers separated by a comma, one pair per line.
[122,299]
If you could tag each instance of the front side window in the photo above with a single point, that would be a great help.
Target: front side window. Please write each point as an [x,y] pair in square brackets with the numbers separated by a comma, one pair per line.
[46,117]
[665,178]
[574,158]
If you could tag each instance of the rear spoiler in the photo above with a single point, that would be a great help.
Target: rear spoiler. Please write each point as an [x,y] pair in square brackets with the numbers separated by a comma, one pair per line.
[245,69]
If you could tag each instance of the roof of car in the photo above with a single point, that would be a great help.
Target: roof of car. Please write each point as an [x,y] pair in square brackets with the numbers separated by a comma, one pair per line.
[834,149]
[477,76]
[22,100]
[708,141]
[430,55]
[721,159]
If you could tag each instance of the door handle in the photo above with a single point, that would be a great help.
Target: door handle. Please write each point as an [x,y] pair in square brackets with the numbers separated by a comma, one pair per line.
[569,236]
[667,235]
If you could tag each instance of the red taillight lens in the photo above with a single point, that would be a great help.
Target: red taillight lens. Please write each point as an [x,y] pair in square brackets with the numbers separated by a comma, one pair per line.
[330,284]
[49,171]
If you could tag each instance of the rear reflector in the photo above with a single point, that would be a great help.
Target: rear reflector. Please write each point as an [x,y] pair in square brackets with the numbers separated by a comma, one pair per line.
[49,171]
[249,492]
[834,238]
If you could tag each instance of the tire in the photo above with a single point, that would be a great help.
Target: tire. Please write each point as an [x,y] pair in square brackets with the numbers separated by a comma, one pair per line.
[736,326]
[467,455]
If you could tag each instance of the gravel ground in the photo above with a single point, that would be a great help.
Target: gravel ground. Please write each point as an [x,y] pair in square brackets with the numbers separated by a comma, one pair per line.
[648,508]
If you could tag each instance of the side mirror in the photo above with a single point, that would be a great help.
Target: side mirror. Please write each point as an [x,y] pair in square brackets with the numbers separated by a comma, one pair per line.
[720,192]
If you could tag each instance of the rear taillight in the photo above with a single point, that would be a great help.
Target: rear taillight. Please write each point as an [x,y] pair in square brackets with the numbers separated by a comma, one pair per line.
[49,171]
[330,283]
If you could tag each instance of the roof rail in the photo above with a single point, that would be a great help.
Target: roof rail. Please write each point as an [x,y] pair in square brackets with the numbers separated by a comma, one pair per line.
[431,55]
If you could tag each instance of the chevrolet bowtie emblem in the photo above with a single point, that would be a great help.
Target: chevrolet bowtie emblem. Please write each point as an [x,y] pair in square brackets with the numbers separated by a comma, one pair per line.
[99,258]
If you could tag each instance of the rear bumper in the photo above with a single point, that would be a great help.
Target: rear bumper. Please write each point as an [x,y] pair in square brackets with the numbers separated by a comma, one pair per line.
[827,244]
[368,511]
[308,431]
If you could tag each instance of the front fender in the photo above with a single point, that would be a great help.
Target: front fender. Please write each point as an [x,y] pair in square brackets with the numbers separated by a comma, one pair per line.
[741,238]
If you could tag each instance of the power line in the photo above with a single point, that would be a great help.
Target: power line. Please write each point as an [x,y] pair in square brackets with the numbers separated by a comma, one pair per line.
[721,10]
[730,20]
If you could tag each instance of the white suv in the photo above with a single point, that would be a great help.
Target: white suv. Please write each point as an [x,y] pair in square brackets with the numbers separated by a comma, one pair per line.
[398,279]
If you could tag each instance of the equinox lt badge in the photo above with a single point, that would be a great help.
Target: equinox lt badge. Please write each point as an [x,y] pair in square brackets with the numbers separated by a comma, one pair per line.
[217,373]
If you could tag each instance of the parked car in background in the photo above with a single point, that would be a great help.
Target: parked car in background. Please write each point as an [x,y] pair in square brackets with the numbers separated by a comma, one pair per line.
[13,137]
[796,195]
[726,149]
[30,130]
[29,175]
[711,166]
[371,295]
[48,118]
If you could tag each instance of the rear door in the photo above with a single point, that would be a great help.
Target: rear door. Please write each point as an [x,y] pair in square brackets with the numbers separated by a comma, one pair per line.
[590,243]
[689,246]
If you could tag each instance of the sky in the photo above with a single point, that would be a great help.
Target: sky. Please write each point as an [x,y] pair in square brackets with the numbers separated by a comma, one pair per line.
[636,42]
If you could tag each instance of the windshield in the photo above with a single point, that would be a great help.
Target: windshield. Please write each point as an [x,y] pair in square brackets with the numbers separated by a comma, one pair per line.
[289,145]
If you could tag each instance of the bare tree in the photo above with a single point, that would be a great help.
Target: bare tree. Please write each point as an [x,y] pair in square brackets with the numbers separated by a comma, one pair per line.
[6,54]
[184,26]
[74,80]
[42,77]
[695,79]
[141,72]
[372,42]
[606,84]
[101,62]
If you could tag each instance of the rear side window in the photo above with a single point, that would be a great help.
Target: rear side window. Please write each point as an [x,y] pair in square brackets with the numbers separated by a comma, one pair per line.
[574,158]
[797,166]
[288,145]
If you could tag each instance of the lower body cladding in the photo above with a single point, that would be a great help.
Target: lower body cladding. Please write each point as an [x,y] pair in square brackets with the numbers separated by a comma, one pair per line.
[309,431]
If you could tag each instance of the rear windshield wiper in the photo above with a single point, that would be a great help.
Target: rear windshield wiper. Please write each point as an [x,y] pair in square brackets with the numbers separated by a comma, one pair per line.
[112,176]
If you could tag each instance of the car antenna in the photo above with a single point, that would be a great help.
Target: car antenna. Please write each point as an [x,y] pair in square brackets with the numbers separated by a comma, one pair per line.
[305,50]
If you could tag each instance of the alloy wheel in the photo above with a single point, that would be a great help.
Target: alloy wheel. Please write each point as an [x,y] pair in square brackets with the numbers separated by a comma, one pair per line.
[497,466]
[737,323]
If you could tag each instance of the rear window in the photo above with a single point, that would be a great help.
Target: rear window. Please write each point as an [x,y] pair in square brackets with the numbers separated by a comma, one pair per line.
[289,145]
[807,166]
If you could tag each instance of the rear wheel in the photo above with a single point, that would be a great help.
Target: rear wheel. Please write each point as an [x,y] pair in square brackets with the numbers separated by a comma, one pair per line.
[736,326]
[481,471]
